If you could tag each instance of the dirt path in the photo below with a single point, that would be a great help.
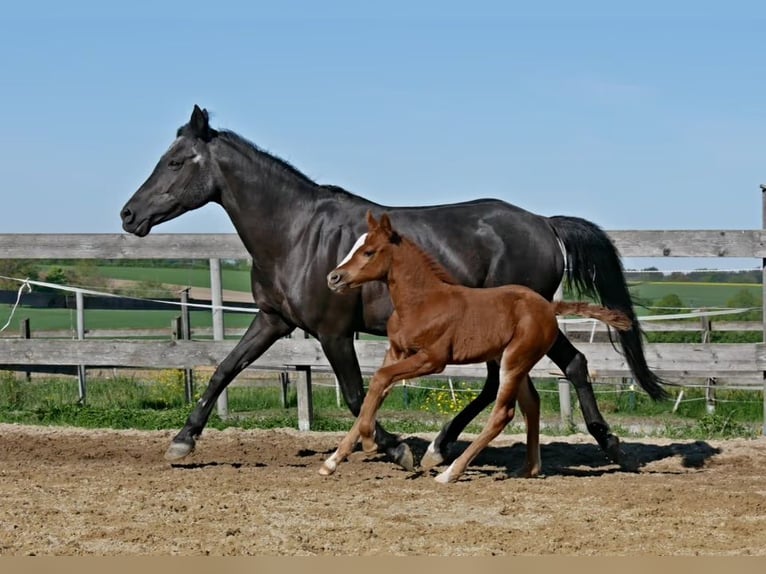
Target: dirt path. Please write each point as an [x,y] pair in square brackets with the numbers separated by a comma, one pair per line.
[70,491]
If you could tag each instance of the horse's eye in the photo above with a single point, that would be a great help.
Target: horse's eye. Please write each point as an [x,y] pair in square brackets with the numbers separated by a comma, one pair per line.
[175,163]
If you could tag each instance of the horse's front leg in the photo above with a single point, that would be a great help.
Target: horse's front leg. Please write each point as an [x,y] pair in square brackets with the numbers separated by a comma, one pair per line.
[262,333]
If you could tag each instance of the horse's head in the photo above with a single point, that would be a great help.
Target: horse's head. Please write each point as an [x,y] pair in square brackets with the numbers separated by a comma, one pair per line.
[369,258]
[185,178]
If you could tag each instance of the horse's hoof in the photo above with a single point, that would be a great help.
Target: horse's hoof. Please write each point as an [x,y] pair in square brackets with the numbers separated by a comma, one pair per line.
[527,472]
[402,456]
[612,449]
[431,458]
[178,450]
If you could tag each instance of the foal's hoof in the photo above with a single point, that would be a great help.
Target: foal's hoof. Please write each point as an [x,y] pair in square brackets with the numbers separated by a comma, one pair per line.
[326,470]
[431,458]
[178,450]
[447,476]
[402,456]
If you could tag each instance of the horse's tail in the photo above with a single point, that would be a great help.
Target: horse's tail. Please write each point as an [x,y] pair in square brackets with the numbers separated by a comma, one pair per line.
[594,268]
[611,317]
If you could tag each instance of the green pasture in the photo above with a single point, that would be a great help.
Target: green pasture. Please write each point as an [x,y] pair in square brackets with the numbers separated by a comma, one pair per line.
[692,294]
[648,293]
[65,319]
[233,279]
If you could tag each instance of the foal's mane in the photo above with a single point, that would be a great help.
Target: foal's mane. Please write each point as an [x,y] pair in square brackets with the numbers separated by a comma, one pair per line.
[431,263]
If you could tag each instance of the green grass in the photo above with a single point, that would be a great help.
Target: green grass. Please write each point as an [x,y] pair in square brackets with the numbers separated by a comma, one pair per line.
[54,319]
[233,279]
[157,401]
[692,294]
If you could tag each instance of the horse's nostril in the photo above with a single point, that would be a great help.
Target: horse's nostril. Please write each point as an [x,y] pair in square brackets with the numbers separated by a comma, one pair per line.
[126,214]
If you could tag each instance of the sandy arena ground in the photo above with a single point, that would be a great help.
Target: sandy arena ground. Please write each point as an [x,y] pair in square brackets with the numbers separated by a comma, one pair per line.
[76,492]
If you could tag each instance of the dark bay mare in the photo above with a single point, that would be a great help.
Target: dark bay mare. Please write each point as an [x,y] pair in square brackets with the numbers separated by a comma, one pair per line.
[438,322]
[297,231]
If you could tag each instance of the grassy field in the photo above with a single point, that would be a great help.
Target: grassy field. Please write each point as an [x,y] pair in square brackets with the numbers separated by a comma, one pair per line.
[693,294]
[233,279]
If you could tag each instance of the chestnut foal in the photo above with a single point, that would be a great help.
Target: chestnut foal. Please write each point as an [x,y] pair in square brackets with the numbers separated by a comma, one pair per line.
[437,322]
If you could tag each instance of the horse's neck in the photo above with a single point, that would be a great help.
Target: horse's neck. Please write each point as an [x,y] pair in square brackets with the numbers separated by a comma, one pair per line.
[411,279]
[263,201]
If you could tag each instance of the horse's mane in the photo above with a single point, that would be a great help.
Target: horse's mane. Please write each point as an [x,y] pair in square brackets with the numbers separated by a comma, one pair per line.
[250,149]
[431,263]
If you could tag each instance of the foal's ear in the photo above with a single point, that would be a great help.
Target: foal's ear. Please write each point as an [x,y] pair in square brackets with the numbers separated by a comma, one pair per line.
[385,223]
[371,223]
[200,123]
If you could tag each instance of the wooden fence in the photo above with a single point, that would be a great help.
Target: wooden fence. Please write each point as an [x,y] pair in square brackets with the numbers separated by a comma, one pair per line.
[741,363]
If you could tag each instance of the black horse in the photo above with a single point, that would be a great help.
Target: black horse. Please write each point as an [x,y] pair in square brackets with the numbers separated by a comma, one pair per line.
[297,230]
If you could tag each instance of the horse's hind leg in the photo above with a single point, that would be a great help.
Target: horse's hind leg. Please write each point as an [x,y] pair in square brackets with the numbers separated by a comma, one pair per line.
[437,450]
[529,402]
[575,367]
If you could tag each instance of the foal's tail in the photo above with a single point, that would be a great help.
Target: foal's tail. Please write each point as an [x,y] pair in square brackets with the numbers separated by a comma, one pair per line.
[594,268]
[611,317]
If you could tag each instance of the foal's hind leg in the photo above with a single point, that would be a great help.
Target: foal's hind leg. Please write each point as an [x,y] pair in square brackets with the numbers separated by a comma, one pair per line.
[529,402]
[437,450]
[518,358]
[502,413]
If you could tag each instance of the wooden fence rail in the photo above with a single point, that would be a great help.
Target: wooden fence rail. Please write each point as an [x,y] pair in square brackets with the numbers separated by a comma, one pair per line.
[743,363]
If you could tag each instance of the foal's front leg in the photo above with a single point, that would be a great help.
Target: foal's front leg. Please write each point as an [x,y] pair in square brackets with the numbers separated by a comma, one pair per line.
[416,365]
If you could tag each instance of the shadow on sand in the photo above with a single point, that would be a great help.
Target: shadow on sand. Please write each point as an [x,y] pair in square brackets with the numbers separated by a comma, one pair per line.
[567,459]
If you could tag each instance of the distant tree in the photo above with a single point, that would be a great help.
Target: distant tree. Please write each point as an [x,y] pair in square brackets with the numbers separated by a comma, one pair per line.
[16,268]
[668,305]
[745,298]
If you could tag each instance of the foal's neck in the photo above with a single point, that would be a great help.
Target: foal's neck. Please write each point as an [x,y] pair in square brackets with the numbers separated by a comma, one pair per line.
[413,276]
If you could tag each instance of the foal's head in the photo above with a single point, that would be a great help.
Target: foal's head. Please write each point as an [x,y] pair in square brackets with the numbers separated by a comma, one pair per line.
[369,258]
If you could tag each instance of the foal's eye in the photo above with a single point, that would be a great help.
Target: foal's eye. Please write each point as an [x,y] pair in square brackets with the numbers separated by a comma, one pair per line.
[369,253]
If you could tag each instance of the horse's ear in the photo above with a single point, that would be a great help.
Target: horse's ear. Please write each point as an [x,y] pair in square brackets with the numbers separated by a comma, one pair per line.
[199,123]
[371,223]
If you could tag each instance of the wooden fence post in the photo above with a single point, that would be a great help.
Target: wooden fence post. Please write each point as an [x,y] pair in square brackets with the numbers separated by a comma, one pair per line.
[565,403]
[184,333]
[305,400]
[216,298]
[710,383]
[26,333]
[284,380]
[763,299]
[81,383]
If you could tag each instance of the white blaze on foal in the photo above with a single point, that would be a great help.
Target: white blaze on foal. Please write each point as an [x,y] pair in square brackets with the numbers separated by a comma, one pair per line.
[357,245]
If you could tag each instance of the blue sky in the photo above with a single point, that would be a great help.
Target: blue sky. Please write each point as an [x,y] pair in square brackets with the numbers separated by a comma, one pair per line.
[645,115]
